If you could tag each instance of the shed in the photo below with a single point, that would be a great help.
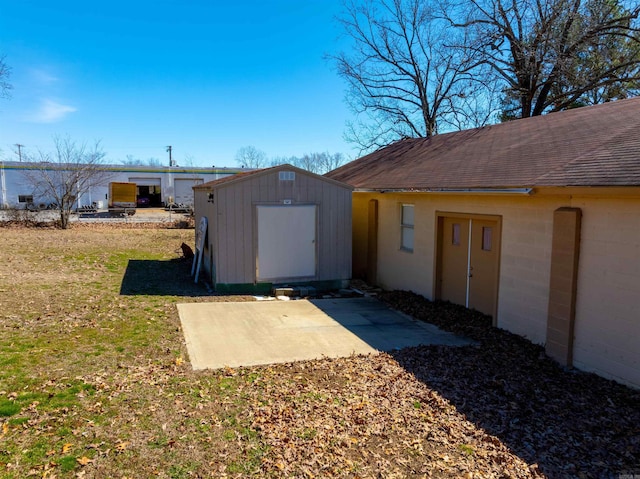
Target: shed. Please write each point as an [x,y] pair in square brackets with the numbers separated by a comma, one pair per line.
[535,222]
[275,226]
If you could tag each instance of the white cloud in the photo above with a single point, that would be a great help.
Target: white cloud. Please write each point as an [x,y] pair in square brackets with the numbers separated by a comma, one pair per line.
[51,111]
[43,77]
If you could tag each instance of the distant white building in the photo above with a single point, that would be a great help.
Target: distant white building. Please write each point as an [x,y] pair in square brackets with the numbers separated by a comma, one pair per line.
[161,185]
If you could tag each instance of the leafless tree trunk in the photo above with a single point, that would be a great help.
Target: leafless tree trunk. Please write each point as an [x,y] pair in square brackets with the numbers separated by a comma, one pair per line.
[66,174]
[405,78]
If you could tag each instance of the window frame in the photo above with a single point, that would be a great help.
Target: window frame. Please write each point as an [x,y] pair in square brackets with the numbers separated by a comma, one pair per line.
[287,175]
[406,227]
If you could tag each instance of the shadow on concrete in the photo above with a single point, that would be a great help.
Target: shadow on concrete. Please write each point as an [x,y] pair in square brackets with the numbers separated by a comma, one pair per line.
[249,333]
[383,328]
[160,278]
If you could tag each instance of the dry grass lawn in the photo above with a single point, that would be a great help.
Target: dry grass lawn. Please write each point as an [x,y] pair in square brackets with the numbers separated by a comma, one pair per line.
[95,382]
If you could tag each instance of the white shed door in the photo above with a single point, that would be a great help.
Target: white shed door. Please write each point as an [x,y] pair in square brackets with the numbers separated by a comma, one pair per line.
[286,242]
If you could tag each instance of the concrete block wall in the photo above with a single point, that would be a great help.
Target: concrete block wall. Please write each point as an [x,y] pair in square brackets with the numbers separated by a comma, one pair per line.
[607,327]
[397,268]
[527,226]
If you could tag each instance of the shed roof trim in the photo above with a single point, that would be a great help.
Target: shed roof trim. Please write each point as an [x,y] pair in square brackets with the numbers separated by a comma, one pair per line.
[232,179]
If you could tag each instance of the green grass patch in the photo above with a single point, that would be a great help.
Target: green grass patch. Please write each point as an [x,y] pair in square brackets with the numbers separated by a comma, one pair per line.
[18,421]
[467,449]
[250,463]
[37,452]
[179,471]
[67,463]
[9,408]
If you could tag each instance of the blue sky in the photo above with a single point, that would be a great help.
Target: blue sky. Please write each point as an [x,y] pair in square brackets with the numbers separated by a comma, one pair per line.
[206,77]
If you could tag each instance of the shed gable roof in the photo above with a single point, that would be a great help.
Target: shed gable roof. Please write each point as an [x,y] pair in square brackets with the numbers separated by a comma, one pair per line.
[589,146]
[239,177]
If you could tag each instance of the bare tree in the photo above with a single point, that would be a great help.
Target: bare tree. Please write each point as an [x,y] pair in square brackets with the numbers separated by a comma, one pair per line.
[133,161]
[66,174]
[331,162]
[283,160]
[553,54]
[309,161]
[407,75]
[5,73]
[251,157]
[319,163]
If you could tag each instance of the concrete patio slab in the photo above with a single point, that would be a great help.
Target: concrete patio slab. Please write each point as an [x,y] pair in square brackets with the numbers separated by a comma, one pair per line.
[261,332]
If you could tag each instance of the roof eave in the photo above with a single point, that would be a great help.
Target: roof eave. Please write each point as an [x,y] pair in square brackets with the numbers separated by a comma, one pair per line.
[457,191]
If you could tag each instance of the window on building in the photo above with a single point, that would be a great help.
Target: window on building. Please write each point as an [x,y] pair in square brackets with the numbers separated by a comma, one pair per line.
[455,234]
[287,175]
[486,238]
[25,198]
[406,228]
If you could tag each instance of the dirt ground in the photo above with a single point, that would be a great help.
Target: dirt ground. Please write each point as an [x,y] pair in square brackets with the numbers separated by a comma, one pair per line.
[95,382]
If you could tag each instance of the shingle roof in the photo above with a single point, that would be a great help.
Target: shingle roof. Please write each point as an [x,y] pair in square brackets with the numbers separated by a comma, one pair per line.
[589,146]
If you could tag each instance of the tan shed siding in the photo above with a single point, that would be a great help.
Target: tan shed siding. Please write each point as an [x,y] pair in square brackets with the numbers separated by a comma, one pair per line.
[236,203]
[341,238]
[607,327]
[237,233]
[303,190]
[334,239]
[222,256]
[326,225]
[245,242]
[232,235]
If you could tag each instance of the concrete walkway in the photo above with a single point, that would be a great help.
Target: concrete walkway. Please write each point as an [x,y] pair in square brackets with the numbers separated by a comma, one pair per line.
[267,332]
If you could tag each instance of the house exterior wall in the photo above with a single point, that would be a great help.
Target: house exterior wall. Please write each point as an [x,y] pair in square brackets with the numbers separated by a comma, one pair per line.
[232,220]
[607,325]
[525,250]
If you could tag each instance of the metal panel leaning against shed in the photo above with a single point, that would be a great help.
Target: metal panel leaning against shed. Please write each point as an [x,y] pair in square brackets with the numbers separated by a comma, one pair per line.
[274,226]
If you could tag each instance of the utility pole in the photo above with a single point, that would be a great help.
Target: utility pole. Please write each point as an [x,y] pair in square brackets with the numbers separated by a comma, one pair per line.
[19,150]
[169,149]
